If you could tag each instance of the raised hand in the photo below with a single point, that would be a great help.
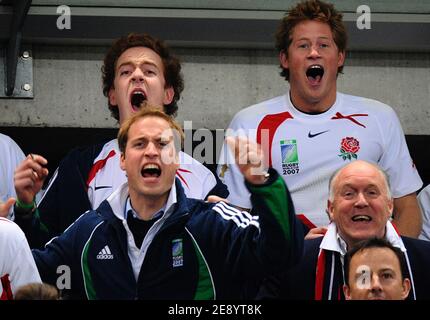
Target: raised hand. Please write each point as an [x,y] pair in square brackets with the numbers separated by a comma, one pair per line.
[249,158]
[29,177]
[316,233]
[5,206]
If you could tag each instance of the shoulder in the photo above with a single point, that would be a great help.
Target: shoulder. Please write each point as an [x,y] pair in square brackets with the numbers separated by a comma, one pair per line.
[87,151]
[6,140]
[187,162]
[416,245]
[313,245]
[250,116]
[10,232]
[87,222]
[83,156]
[424,194]
[366,105]
[189,165]
[8,145]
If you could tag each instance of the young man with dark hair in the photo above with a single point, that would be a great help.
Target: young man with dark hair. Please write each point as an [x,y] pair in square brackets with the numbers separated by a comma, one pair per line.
[137,69]
[313,130]
[374,270]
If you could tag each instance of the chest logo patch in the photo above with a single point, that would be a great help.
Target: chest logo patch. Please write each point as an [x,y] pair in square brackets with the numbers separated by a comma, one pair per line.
[289,157]
[349,148]
[177,253]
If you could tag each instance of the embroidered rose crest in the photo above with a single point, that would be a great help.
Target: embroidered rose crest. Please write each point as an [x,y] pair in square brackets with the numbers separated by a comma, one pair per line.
[349,148]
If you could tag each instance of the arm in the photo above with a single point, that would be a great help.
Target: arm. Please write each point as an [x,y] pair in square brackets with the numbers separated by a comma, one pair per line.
[29,178]
[5,207]
[64,199]
[280,243]
[407,215]
[403,176]
[230,174]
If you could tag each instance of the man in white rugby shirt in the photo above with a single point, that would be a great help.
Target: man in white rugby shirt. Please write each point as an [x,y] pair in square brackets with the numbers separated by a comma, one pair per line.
[313,130]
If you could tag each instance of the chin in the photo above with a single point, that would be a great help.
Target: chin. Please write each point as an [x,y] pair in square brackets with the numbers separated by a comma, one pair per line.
[376,298]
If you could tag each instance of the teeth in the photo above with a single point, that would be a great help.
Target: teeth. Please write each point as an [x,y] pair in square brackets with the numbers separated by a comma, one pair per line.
[361,218]
[315,72]
[151,166]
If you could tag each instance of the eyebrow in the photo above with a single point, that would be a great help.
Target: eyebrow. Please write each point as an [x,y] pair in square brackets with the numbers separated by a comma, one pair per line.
[160,138]
[348,185]
[318,38]
[130,63]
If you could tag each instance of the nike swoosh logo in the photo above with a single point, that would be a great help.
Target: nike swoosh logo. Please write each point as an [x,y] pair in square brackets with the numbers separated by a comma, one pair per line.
[102,187]
[310,135]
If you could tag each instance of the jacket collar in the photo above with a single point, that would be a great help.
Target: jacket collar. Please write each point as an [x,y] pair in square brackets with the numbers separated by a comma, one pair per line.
[332,241]
[176,205]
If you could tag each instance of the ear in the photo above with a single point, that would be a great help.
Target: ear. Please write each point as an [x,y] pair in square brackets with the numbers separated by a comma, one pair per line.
[341,58]
[346,292]
[330,209]
[283,59]
[406,288]
[112,97]
[122,161]
[169,93]
[390,207]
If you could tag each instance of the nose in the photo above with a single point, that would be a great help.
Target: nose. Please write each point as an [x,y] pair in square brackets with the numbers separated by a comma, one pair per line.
[314,52]
[375,285]
[151,150]
[137,75]
[361,201]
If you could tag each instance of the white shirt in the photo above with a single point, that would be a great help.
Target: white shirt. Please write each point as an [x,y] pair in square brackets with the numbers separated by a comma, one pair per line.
[307,149]
[11,156]
[17,266]
[196,179]
[424,201]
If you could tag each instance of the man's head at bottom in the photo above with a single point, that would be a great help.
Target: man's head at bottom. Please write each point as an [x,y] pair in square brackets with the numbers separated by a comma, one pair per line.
[374,270]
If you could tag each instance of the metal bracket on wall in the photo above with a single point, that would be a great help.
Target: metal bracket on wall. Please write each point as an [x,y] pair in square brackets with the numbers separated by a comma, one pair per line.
[23,84]
[13,49]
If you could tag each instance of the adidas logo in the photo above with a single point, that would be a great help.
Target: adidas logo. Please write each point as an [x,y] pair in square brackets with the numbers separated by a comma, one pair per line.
[105,254]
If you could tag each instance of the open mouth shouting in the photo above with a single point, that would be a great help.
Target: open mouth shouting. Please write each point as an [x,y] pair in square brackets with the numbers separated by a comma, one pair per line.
[151,171]
[315,74]
[137,98]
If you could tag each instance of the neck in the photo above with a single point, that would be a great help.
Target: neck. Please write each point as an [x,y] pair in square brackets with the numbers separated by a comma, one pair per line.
[147,206]
[350,243]
[312,106]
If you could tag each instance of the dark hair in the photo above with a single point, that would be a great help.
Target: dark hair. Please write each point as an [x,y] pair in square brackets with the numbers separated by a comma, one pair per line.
[310,10]
[373,243]
[171,64]
[149,111]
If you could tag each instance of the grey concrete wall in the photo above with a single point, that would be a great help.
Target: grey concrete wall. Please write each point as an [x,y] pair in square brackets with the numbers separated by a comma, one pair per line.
[218,83]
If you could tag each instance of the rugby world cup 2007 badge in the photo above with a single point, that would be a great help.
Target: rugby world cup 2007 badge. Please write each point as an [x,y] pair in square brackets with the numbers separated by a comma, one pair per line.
[177,253]
[290,157]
